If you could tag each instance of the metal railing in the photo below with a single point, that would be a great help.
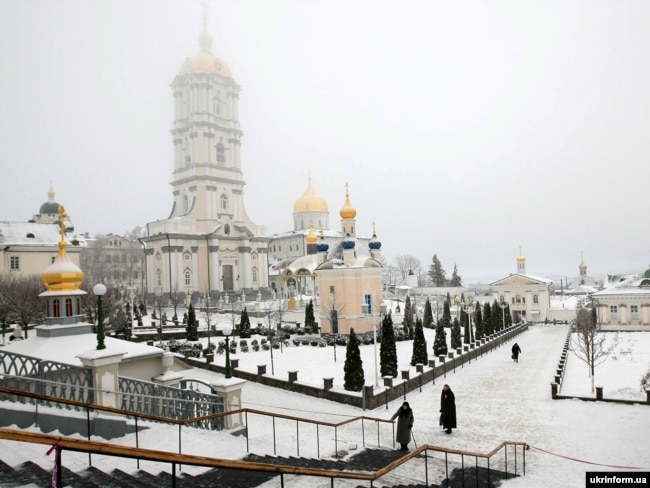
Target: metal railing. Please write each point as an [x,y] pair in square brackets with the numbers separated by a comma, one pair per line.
[417,460]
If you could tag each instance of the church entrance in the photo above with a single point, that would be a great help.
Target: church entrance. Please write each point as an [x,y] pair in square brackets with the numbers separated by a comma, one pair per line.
[227,272]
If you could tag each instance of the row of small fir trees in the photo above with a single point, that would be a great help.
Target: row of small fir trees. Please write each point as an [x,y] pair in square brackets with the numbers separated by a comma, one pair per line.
[486,320]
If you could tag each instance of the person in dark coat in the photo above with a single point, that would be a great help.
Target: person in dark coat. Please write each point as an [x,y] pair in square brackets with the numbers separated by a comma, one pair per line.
[516,351]
[404,418]
[448,409]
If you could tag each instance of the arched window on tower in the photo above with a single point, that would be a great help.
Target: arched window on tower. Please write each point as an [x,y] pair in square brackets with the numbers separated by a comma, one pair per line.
[223,202]
[56,308]
[226,229]
[68,307]
[254,275]
[188,277]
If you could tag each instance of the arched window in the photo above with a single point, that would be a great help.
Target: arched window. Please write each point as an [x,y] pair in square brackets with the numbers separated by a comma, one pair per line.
[254,274]
[68,307]
[158,278]
[186,204]
[535,299]
[56,308]
[224,202]
[226,229]
[188,277]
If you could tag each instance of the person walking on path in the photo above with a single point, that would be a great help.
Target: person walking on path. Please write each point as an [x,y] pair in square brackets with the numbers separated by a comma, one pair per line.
[448,409]
[516,351]
[404,418]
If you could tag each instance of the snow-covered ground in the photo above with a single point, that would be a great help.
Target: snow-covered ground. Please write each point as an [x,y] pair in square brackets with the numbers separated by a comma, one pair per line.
[496,399]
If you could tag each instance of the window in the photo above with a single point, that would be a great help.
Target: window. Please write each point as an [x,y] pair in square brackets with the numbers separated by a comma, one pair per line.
[518,298]
[68,307]
[502,299]
[52,259]
[535,299]
[523,300]
[123,258]
[158,278]
[224,202]
[14,263]
[254,275]
[187,256]
[634,311]
[368,300]
[221,152]
[613,312]
[332,289]
[226,229]
[56,307]
[188,277]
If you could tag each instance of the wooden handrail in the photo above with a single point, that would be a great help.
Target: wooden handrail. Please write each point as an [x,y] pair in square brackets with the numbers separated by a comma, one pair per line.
[94,447]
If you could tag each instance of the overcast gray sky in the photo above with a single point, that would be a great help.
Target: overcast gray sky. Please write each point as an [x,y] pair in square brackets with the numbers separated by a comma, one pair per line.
[464,128]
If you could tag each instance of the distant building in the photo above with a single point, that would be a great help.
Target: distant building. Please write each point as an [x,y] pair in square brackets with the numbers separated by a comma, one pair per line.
[116,261]
[527,295]
[29,247]
[624,301]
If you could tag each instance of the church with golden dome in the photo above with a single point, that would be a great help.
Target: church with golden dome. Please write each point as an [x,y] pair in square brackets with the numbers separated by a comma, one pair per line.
[207,243]
[292,253]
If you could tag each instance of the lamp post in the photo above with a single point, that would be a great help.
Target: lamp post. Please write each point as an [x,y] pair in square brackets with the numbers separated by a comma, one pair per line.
[227,330]
[457,301]
[374,320]
[503,306]
[100,290]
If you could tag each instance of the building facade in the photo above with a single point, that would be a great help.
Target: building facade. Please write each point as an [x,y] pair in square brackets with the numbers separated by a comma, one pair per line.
[29,247]
[527,295]
[625,301]
[208,243]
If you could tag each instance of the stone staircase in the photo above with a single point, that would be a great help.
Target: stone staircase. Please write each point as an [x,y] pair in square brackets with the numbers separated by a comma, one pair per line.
[30,474]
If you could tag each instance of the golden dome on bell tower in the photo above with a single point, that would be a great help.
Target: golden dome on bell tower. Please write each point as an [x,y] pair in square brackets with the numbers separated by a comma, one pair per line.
[348,212]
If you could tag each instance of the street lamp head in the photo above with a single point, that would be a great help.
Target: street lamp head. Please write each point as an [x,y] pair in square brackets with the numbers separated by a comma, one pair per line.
[227,330]
[99,289]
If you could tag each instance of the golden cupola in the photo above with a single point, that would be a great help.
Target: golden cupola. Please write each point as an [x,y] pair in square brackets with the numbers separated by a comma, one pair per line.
[205,61]
[310,202]
[348,212]
[312,238]
[62,274]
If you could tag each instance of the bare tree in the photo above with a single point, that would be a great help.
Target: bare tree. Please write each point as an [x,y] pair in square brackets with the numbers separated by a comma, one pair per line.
[408,265]
[588,343]
[19,300]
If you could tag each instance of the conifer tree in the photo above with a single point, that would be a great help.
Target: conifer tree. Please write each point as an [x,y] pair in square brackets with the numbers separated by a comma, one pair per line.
[478,321]
[436,272]
[508,316]
[387,348]
[427,321]
[497,316]
[440,341]
[407,321]
[354,378]
[244,325]
[192,328]
[488,324]
[456,280]
[420,355]
[310,320]
[456,340]
[466,337]
[446,315]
